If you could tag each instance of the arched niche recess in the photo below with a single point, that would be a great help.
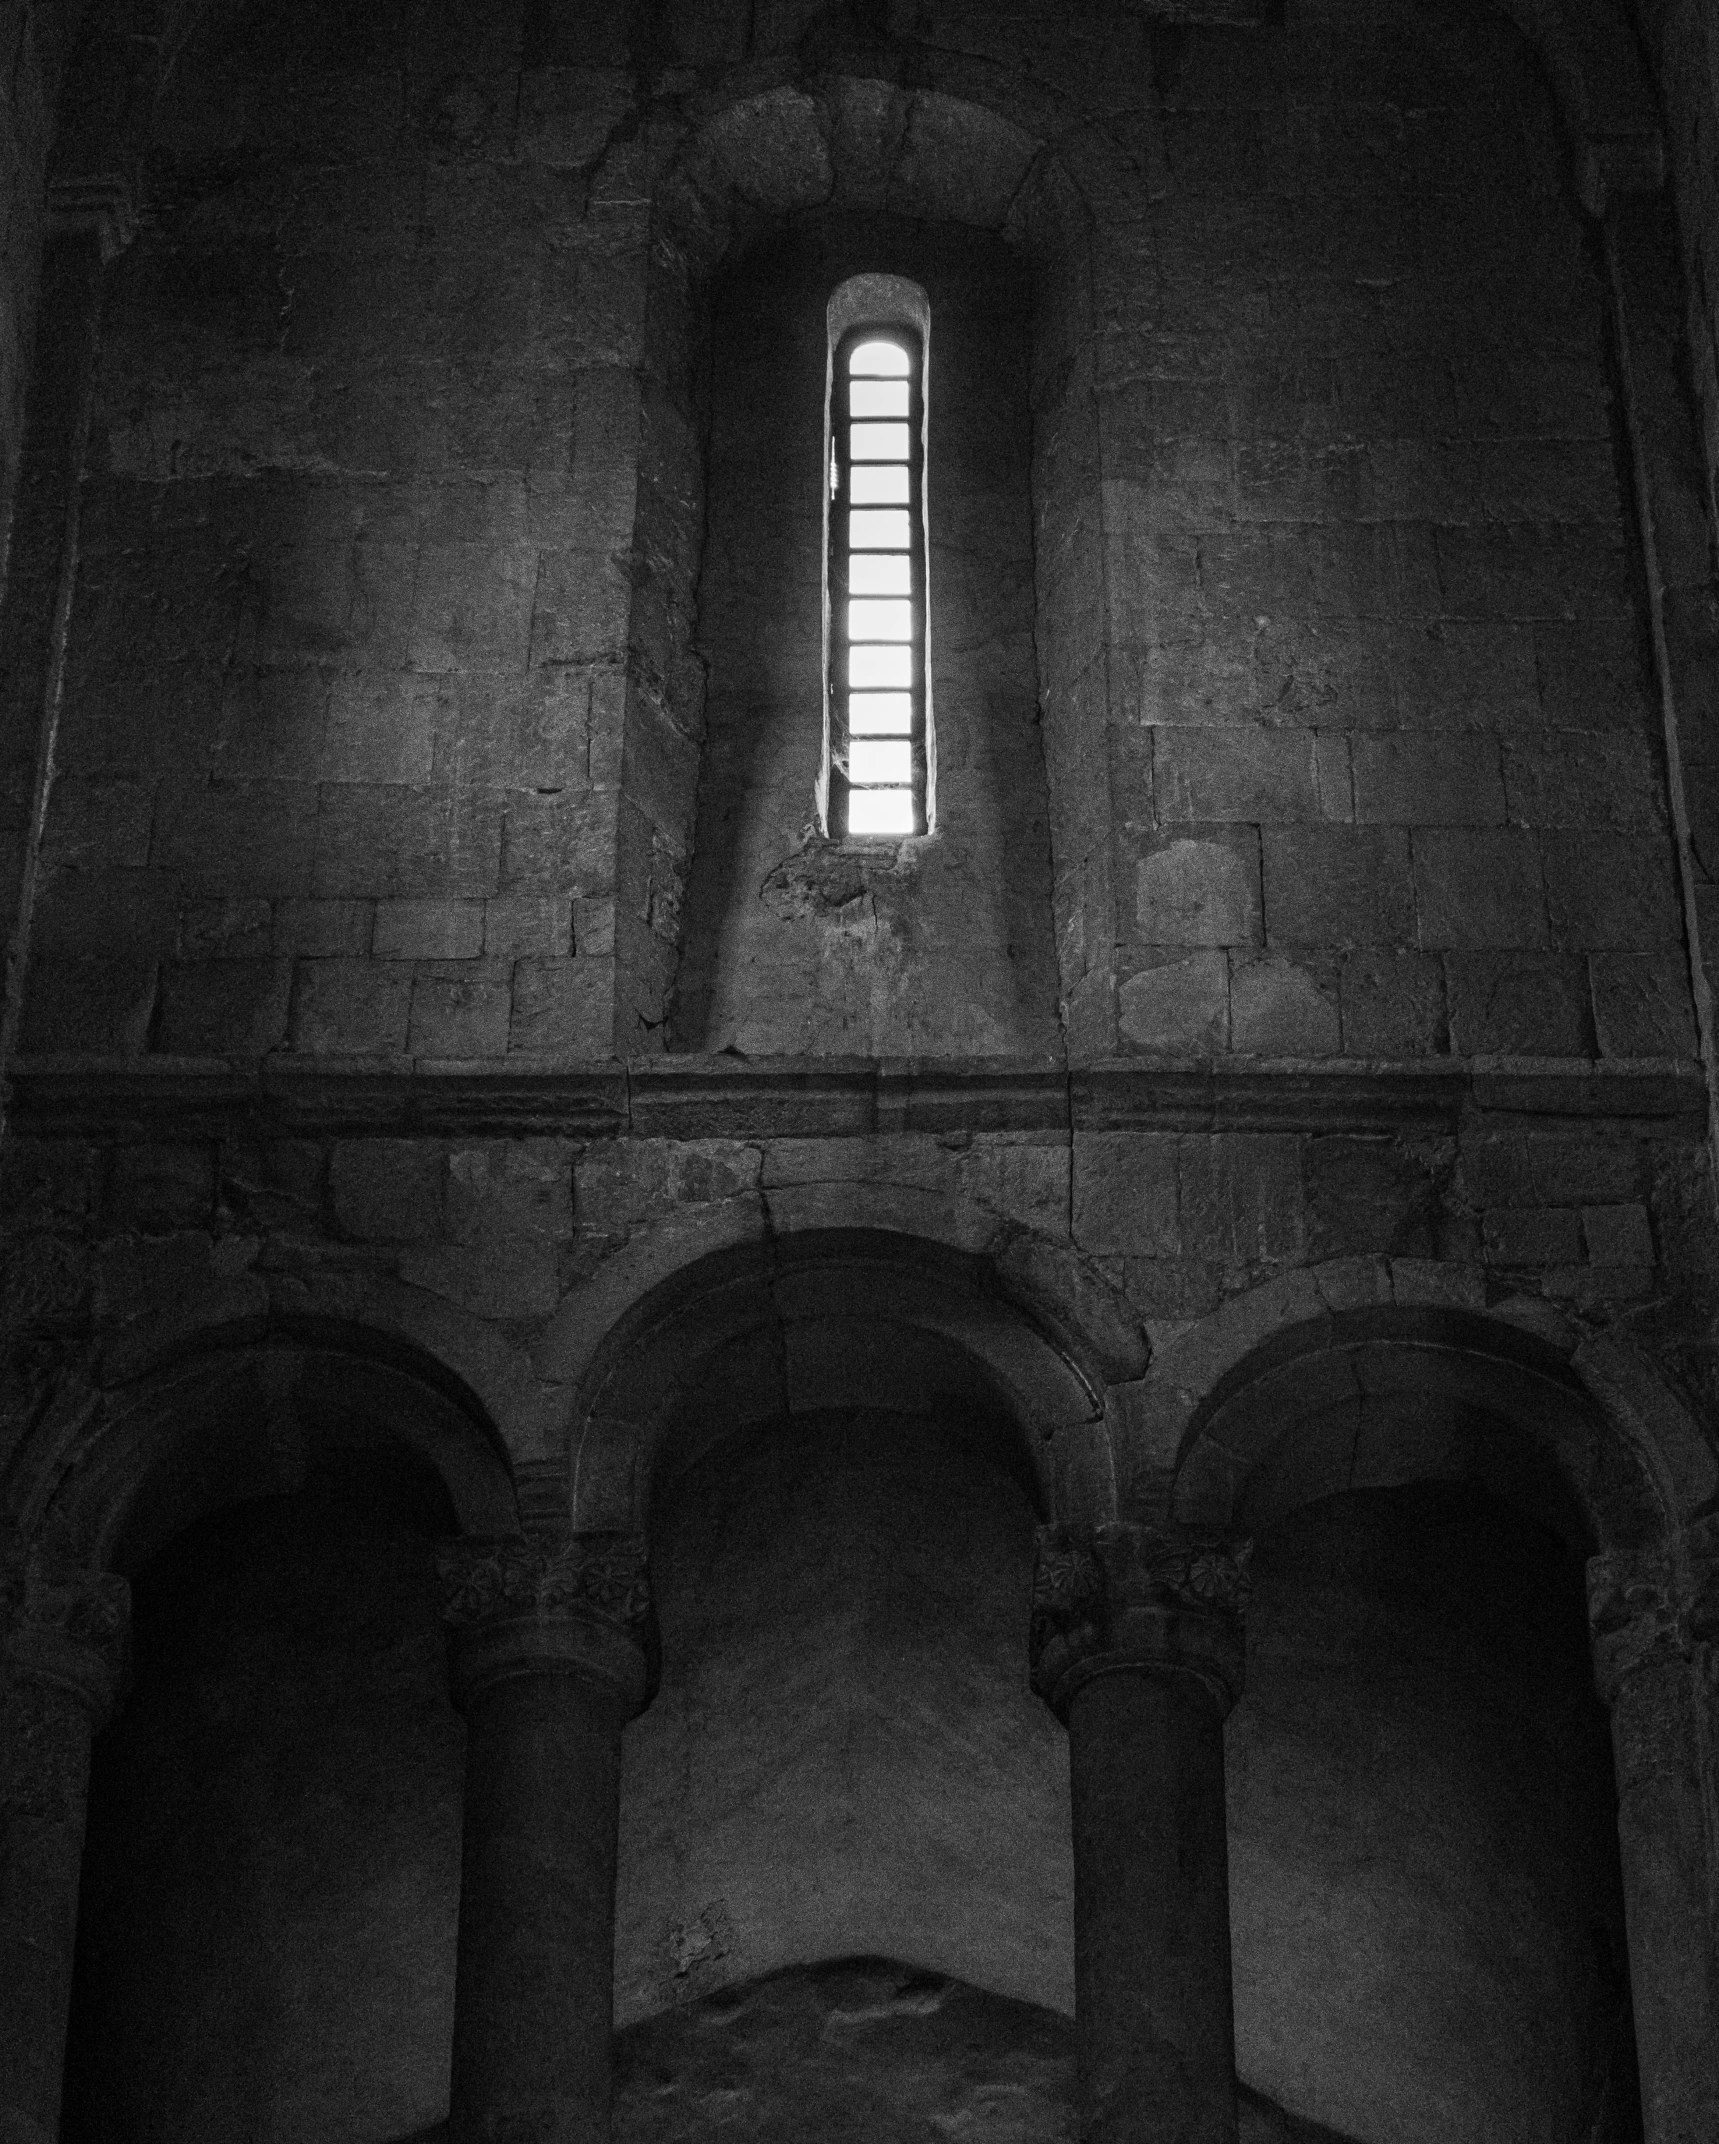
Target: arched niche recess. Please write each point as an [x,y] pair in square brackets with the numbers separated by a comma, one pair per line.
[1429,1418]
[998,159]
[274,1503]
[236,1422]
[825,1320]
[1384,1397]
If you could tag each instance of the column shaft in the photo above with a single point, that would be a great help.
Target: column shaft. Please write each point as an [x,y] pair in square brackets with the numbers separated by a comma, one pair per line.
[551,1659]
[1151,1912]
[533,1995]
[44,1784]
[1137,1646]
[1674,1986]
[59,1668]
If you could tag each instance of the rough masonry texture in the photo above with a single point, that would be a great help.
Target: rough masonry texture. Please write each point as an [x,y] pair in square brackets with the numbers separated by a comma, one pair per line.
[462,1113]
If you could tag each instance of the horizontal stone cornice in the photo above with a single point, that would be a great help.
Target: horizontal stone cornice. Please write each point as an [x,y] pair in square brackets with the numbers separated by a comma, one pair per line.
[833,1097]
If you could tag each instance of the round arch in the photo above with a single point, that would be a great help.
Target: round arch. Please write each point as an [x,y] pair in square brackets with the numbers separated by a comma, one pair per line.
[239,1416]
[822,1319]
[1262,1414]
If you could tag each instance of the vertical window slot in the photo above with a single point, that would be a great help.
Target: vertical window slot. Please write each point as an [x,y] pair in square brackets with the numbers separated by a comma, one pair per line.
[876,568]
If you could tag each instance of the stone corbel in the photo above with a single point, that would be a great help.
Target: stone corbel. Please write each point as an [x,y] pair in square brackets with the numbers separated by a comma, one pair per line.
[1122,1595]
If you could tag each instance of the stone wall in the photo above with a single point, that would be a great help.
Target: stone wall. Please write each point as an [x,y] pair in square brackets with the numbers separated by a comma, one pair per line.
[32,42]
[1379,692]
[379,1001]
[1683,43]
[793,943]
[379,699]
[354,572]
[32,54]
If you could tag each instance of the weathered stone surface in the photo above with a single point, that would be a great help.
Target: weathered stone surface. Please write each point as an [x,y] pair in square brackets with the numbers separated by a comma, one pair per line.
[1517,1005]
[1177,1004]
[866,2047]
[1303,645]
[1198,893]
[790,947]
[1479,889]
[1338,886]
[1281,1009]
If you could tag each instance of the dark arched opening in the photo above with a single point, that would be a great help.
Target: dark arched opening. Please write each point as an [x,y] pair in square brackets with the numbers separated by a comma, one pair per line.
[271,1871]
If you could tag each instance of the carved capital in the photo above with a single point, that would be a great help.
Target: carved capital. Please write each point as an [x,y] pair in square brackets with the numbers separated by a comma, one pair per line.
[1153,1599]
[66,1626]
[1635,1617]
[521,1604]
[1650,1614]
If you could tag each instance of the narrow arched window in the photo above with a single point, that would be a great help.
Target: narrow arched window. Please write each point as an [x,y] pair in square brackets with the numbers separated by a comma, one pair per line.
[878,763]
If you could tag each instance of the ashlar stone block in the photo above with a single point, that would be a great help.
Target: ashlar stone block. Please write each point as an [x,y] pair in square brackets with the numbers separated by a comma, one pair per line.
[1177,1004]
[1241,1197]
[563,1008]
[351,1007]
[428,930]
[387,1190]
[1642,1004]
[1192,892]
[1532,1236]
[1281,1009]
[1479,889]
[1393,1005]
[1337,886]
[1611,890]
[1125,1194]
[223,1008]
[1230,774]
[1618,1235]
[461,1012]
[1427,781]
[1517,1005]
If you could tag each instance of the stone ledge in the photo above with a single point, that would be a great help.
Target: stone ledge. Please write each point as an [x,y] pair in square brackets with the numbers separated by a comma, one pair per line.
[1209,14]
[1165,1094]
[736,1098]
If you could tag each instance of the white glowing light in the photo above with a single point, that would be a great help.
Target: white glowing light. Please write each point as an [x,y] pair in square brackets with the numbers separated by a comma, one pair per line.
[880,714]
[877,398]
[879,532]
[881,669]
[878,484]
[872,760]
[877,442]
[887,359]
[880,621]
[875,574]
[880,811]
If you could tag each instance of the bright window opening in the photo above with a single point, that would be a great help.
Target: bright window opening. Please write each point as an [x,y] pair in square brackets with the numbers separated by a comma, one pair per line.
[876,773]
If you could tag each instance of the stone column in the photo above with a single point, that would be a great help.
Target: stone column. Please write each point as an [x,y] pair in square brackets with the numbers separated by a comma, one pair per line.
[1137,1646]
[551,1657]
[62,1648]
[1648,1669]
